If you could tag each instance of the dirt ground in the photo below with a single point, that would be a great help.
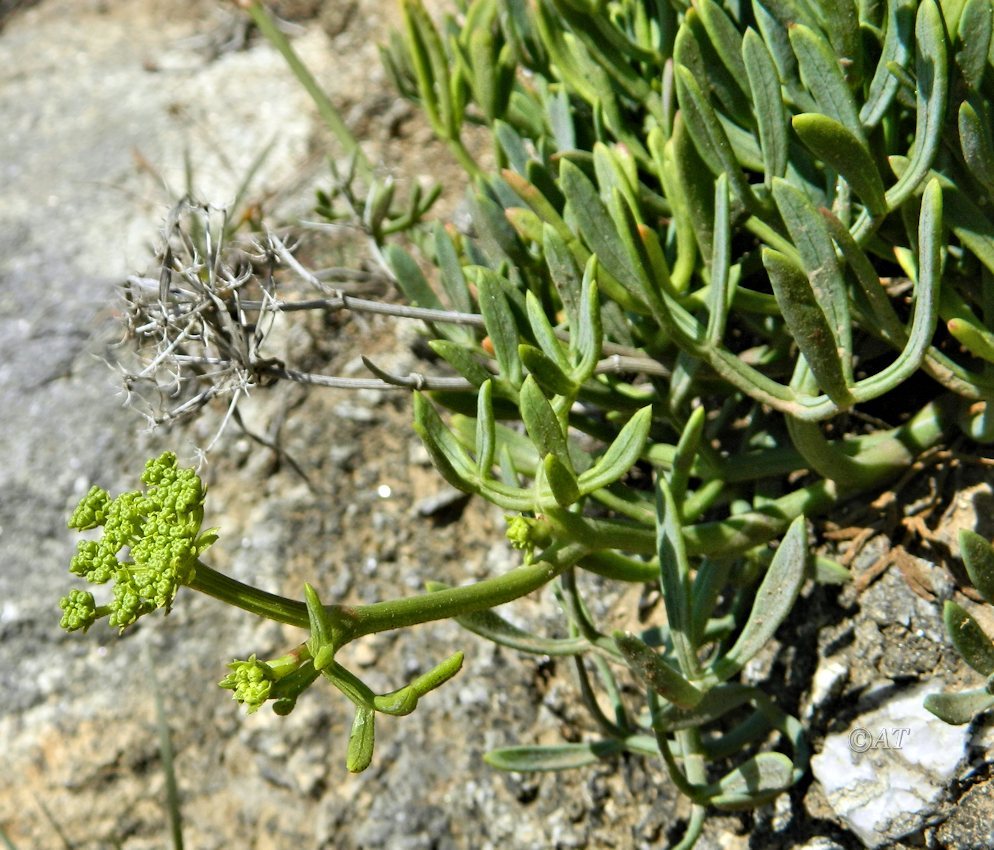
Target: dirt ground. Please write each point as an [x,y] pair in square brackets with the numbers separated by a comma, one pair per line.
[83,766]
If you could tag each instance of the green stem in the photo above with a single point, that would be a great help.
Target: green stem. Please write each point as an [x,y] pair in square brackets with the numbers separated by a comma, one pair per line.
[351,622]
[249,598]
[326,109]
[458,601]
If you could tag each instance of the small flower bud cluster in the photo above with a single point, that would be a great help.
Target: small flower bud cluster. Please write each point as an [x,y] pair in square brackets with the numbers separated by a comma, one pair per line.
[160,529]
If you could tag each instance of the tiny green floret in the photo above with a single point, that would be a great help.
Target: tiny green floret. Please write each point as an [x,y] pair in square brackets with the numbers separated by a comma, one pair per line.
[160,531]
[251,680]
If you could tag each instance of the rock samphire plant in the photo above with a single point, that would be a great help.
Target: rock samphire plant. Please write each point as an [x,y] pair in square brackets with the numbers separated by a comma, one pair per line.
[713,252]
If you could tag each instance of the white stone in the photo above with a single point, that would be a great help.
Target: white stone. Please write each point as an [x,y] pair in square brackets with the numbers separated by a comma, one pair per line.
[886,773]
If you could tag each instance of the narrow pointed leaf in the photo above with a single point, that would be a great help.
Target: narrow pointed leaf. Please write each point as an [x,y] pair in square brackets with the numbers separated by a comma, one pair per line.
[970,640]
[831,142]
[411,279]
[774,599]
[453,280]
[548,374]
[448,457]
[361,740]
[553,757]
[755,782]
[686,454]
[822,75]
[485,431]
[896,51]
[810,234]
[563,271]
[767,104]
[808,325]
[978,556]
[562,481]
[974,41]
[587,335]
[931,92]
[976,144]
[500,324]
[460,359]
[709,136]
[664,679]
[961,708]
[718,300]
[596,225]
[541,422]
[544,333]
[621,455]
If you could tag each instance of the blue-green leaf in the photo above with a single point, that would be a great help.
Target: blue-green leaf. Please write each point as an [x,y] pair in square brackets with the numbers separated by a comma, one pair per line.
[970,640]
[552,757]
[978,557]
[767,104]
[774,599]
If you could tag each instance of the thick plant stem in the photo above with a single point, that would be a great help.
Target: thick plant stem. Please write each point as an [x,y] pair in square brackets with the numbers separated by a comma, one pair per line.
[351,622]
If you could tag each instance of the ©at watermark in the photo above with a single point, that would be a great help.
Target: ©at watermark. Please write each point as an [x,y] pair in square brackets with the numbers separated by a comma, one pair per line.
[894,738]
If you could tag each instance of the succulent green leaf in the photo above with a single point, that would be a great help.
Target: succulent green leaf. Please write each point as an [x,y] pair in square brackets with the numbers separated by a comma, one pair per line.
[896,51]
[563,271]
[710,137]
[774,599]
[554,757]
[831,142]
[411,279]
[970,640]
[588,334]
[438,675]
[961,708]
[547,372]
[664,679]
[810,234]
[485,431]
[621,455]
[562,481]
[822,75]
[448,457]
[686,454]
[767,104]
[461,359]
[754,782]
[842,26]
[976,144]
[500,325]
[596,225]
[932,73]
[361,740]
[453,280]
[973,42]
[808,325]
[978,557]
[542,423]
[977,340]
[543,331]
[718,300]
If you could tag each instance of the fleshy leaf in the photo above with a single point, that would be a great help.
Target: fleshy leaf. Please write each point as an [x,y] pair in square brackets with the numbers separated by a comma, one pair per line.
[978,556]
[774,599]
[970,640]
[959,708]
[554,757]
[663,678]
